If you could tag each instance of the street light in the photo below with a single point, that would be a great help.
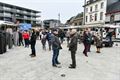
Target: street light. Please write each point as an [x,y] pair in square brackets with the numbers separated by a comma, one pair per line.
[59,19]
[84,13]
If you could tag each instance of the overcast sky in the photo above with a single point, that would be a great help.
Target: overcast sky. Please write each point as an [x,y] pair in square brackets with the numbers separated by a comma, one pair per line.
[50,8]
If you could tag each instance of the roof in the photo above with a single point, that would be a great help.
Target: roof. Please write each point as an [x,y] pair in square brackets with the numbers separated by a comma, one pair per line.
[21,7]
[80,15]
[89,2]
[115,7]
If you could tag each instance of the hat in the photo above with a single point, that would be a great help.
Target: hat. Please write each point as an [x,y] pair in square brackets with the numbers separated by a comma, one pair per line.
[73,31]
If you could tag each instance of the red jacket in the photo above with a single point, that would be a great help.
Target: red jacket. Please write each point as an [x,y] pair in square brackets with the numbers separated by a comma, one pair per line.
[26,36]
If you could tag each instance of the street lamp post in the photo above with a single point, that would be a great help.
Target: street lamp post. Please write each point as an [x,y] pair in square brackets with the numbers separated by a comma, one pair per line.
[59,19]
[84,13]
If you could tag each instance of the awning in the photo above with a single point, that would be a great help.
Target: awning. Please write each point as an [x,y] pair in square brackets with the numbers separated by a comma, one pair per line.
[7,23]
[111,26]
[92,25]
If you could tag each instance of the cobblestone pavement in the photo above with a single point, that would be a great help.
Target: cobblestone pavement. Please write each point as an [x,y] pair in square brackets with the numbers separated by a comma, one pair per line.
[16,64]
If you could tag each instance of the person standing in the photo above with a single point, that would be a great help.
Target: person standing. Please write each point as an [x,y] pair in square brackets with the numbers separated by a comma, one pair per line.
[20,38]
[33,43]
[68,37]
[90,37]
[61,35]
[43,40]
[109,36]
[56,46]
[98,41]
[16,37]
[86,41]
[48,37]
[26,38]
[73,48]
[40,34]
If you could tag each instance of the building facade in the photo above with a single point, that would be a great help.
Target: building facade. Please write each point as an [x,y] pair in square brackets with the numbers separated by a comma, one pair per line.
[51,23]
[94,12]
[75,20]
[113,13]
[113,16]
[18,14]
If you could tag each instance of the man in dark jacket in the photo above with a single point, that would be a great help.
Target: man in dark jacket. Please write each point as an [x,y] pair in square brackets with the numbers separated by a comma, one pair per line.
[73,48]
[56,46]
[33,42]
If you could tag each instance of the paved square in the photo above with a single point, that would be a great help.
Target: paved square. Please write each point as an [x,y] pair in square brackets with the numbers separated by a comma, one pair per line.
[16,64]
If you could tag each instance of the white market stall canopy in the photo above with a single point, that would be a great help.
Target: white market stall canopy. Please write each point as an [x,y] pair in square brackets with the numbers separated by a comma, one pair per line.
[92,26]
[71,27]
[111,26]
[7,23]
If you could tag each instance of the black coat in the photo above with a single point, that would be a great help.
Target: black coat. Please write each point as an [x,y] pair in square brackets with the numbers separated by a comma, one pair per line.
[55,42]
[87,38]
[33,39]
[73,43]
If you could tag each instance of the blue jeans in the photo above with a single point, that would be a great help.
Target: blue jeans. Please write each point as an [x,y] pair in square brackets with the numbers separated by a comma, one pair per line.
[55,56]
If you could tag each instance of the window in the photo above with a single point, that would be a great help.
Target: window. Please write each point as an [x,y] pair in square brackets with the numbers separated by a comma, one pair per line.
[102,5]
[86,18]
[17,15]
[80,23]
[101,15]
[112,18]
[25,12]
[6,8]
[96,7]
[18,10]
[7,14]
[86,9]
[25,17]
[75,24]
[91,9]
[96,17]
[90,18]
